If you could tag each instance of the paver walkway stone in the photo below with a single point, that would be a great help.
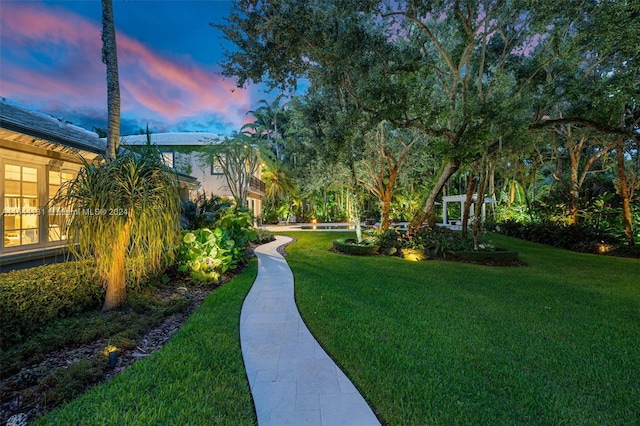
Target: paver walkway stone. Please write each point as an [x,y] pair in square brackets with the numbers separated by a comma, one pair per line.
[292,379]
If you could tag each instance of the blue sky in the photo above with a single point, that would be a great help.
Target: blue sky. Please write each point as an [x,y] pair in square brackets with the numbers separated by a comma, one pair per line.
[167,51]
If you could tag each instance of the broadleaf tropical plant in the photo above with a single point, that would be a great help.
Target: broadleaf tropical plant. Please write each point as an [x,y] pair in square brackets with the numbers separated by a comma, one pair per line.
[204,254]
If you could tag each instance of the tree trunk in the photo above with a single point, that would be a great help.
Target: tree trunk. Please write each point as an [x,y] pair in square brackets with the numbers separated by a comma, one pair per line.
[574,193]
[356,209]
[627,221]
[116,296]
[428,212]
[386,208]
[110,59]
[477,223]
[471,186]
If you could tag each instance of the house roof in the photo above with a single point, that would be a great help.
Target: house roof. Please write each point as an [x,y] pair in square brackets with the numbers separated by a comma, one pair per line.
[19,124]
[174,139]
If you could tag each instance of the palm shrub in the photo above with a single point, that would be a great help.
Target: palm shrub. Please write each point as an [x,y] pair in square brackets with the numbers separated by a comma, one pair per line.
[125,213]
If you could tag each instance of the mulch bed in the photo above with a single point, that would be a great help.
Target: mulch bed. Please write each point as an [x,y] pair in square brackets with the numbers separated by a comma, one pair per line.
[22,392]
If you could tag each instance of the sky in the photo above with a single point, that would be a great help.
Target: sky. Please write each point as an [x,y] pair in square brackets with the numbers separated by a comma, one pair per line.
[50,61]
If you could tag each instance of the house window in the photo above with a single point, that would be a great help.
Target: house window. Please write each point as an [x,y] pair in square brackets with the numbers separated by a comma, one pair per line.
[168,158]
[216,169]
[21,212]
[56,216]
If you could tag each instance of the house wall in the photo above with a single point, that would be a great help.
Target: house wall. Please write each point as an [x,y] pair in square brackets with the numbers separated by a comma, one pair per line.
[187,159]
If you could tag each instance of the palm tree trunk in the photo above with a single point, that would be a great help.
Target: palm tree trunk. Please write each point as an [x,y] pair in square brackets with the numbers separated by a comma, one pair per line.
[116,296]
[110,59]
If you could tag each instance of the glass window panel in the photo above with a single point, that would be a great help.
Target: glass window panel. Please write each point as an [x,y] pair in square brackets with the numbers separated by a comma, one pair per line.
[11,172]
[29,189]
[22,217]
[54,233]
[29,174]
[11,239]
[30,204]
[11,203]
[167,158]
[11,222]
[67,176]
[29,221]
[30,236]
[11,188]
[54,178]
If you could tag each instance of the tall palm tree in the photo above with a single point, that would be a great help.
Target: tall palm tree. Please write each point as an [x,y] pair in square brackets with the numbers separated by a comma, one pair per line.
[270,123]
[279,183]
[110,59]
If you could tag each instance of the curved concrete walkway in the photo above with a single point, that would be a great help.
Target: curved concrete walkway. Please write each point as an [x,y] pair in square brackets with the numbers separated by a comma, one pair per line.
[292,379]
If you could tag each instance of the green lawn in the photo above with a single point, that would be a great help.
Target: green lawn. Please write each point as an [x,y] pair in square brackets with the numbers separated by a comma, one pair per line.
[198,378]
[555,342]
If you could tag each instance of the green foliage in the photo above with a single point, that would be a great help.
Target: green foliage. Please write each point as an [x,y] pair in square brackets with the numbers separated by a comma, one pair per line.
[582,238]
[29,333]
[30,299]
[206,254]
[351,246]
[439,241]
[270,216]
[197,378]
[203,211]
[239,157]
[64,384]
[264,236]
[239,227]
[125,213]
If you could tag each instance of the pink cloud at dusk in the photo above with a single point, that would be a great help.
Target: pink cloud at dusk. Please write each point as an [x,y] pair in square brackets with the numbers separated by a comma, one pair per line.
[52,57]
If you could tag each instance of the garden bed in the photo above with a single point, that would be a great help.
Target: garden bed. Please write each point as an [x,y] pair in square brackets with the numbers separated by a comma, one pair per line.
[351,246]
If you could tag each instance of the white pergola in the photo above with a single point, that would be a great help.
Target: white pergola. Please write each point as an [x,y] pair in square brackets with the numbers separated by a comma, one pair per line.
[461,199]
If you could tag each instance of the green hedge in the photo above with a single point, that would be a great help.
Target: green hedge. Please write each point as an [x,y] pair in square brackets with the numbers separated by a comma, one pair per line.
[350,246]
[499,255]
[31,298]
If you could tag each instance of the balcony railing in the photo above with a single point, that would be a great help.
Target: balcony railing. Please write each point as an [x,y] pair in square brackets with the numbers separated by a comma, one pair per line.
[256,185]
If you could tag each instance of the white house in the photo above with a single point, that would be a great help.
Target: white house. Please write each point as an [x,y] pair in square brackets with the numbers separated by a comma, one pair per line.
[38,153]
[183,151]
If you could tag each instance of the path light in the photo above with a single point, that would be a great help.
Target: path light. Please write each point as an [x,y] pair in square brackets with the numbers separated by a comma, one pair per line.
[111,352]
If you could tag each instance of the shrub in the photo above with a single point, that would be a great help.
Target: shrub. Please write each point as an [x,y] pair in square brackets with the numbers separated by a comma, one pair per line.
[350,246]
[581,238]
[204,212]
[239,228]
[438,241]
[206,254]
[264,236]
[31,298]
